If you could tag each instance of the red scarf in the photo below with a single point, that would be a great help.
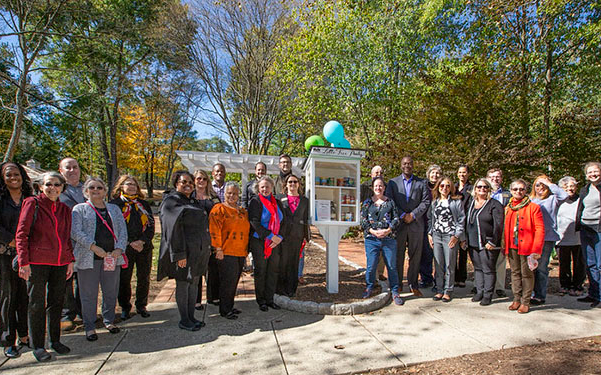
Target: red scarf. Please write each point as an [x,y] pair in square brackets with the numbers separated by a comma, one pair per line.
[274,221]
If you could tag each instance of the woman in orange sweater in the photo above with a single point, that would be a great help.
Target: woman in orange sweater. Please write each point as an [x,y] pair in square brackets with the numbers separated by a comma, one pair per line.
[524,239]
[229,227]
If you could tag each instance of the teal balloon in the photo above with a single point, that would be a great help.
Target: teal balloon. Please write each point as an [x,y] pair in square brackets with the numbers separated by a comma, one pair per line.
[344,143]
[313,140]
[333,131]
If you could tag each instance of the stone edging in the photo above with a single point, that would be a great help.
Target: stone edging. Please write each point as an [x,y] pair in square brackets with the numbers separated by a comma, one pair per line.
[329,308]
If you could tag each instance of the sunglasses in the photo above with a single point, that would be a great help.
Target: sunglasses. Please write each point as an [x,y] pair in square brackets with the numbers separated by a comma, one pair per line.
[95,187]
[482,187]
[201,179]
[49,184]
[293,182]
[518,189]
[444,186]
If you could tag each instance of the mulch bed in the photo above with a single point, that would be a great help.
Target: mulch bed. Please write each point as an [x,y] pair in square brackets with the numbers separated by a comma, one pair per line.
[351,281]
[577,356]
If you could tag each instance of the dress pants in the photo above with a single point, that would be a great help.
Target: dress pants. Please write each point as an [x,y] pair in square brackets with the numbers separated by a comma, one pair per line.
[212,280]
[485,272]
[445,259]
[185,297]
[266,271]
[13,302]
[572,270]
[461,269]
[46,289]
[522,279]
[541,273]
[72,306]
[425,267]
[143,262]
[412,241]
[289,262]
[89,279]
[230,269]
[591,248]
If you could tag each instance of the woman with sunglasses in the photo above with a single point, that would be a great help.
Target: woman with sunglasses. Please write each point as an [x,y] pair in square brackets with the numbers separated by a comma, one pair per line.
[484,230]
[14,187]
[45,256]
[446,227]
[99,235]
[524,234]
[207,198]
[137,213]
[296,233]
[548,196]
[185,246]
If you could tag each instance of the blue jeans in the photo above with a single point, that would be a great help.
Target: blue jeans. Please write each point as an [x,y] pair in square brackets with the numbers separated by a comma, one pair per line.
[301,265]
[591,248]
[387,246]
[541,273]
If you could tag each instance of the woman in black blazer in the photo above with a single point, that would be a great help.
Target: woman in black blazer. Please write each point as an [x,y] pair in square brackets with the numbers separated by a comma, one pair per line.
[484,230]
[267,222]
[296,234]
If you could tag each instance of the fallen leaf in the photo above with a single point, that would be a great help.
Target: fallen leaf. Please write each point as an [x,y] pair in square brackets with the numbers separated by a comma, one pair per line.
[339,346]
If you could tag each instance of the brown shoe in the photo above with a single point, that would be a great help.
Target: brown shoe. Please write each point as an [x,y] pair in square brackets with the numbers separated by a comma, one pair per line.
[523,309]
[514,306]
[302,281]
[417,293]
[67,325]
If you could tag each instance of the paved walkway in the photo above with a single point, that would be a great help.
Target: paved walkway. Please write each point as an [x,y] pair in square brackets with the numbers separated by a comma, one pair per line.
[284,342]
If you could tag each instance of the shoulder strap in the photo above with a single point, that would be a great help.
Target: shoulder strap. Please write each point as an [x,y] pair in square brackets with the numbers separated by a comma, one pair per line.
[35,216]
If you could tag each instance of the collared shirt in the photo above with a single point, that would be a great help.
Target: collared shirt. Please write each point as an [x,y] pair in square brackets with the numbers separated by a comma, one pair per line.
[498,195]
[408,183]
[220,191]
[72,195]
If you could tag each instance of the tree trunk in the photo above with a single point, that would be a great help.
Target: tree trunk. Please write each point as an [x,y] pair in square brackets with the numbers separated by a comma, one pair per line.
[19,116]
[548,95]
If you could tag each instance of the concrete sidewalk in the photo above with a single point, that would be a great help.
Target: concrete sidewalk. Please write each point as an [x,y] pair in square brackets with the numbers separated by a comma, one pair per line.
[281,342]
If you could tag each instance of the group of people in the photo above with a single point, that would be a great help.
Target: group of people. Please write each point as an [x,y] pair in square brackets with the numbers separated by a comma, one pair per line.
[208,228]
[439,222]
[59,245]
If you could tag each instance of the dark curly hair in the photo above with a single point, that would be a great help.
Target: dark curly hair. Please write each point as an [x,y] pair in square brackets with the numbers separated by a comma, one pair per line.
[177,174]
[26,188]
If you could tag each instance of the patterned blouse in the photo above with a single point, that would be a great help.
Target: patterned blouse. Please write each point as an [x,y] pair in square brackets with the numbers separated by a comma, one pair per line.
[444,222]
[383,216]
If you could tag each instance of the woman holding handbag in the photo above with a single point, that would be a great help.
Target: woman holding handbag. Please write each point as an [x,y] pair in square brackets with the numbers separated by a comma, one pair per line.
[99,235]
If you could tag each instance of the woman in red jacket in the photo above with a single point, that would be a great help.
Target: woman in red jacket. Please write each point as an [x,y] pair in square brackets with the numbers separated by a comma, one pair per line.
[46,259]
[524,239]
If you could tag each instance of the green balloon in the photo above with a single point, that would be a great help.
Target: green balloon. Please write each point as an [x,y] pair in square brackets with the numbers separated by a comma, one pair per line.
[313,140]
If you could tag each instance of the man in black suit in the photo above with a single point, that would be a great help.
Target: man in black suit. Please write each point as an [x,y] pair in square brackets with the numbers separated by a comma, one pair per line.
[410,194]
[248,193]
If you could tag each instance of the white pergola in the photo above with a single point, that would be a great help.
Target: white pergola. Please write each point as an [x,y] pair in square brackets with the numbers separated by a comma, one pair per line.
[238,163]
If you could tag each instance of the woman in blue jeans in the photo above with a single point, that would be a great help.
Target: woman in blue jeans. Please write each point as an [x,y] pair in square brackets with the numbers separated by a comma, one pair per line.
[446,228]
[379,220]
[548,196]
[588,222]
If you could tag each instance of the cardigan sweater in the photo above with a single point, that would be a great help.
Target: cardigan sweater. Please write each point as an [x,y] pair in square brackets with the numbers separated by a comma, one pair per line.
[83,232]
[489,223]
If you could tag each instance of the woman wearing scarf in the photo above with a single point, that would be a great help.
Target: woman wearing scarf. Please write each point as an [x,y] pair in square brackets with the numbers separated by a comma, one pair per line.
[524,239]
[207,198]
[185,246]
[265,214]
[296,210]
[99,236]
[140,231]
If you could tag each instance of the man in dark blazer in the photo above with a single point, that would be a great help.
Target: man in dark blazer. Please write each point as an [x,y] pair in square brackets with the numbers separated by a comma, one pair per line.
[411,196]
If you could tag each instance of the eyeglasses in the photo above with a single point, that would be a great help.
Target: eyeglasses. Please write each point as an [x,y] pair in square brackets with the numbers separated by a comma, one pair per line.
[518,189]
[293,182]
[482,187]
[95,187]
[185,182]
[49,184]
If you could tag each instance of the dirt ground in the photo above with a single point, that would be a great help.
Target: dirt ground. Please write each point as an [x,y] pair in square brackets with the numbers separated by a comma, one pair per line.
[579,356]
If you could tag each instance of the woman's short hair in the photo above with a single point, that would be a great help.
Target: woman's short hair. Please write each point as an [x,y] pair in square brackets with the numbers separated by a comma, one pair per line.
[52,174]
[591,164]
[376,179]
[519,181]
[485,182]
[564,181]
[230,184]
[86,185]
[177,174]
[431,168]
[547,190]
[264,178]
[26,188]
[118,189]
[285,185]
